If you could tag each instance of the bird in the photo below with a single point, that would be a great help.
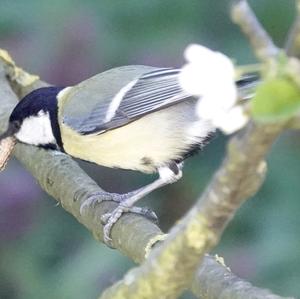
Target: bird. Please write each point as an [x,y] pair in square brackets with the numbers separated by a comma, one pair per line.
[132,117]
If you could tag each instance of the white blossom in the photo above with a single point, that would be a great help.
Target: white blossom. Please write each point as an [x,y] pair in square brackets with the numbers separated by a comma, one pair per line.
[210,75]
[231,121]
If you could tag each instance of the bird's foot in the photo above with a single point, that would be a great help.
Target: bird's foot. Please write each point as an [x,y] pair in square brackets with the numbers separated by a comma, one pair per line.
[99,197]
[124,206]
[109,219]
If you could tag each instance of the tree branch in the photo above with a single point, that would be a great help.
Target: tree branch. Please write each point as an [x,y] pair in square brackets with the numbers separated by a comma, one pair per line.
[292,45]
[262,44]
[225,283]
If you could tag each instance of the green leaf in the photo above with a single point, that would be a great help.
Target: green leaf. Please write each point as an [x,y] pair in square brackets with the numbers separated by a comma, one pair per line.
[276,99]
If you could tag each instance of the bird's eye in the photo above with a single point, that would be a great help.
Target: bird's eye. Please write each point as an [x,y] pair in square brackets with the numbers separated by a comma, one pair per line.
[16,125]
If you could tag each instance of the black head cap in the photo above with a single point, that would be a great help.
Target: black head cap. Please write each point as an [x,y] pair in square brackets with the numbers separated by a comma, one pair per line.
[39,99]
[42,99]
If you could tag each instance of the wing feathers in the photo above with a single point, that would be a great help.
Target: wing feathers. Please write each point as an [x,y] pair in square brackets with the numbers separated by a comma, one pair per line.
[152,91]
[160,72]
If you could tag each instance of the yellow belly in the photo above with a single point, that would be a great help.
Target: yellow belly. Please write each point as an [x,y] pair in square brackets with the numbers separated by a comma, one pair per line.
[143,145]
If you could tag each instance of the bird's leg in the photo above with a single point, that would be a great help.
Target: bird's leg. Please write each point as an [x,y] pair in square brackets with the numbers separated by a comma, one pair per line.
[167,175]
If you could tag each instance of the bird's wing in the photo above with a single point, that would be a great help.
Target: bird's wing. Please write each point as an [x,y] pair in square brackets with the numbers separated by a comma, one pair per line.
[145,91]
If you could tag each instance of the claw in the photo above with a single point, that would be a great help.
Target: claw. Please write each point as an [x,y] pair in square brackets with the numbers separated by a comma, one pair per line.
[91,201]
[97,198]
[146,212]
[104,218]
[109,219]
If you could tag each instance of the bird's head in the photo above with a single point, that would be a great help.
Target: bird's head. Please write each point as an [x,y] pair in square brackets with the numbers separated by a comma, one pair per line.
[34,119]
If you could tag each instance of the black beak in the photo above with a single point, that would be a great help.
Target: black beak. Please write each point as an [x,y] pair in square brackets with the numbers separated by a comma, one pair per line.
[11,130]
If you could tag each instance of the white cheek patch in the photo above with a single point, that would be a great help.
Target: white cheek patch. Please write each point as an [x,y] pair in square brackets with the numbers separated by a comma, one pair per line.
[36,130]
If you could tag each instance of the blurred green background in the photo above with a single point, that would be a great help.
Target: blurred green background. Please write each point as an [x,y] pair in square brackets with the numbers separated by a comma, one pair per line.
[44,252]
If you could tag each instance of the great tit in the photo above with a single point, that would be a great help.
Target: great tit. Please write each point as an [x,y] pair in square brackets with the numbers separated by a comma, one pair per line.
[131,117]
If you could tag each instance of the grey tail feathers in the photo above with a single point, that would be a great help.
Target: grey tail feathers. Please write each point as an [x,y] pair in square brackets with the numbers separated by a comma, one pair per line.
[247,85]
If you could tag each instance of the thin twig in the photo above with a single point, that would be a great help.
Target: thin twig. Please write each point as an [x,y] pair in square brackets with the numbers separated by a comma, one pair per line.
[261,42]
[292,45]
